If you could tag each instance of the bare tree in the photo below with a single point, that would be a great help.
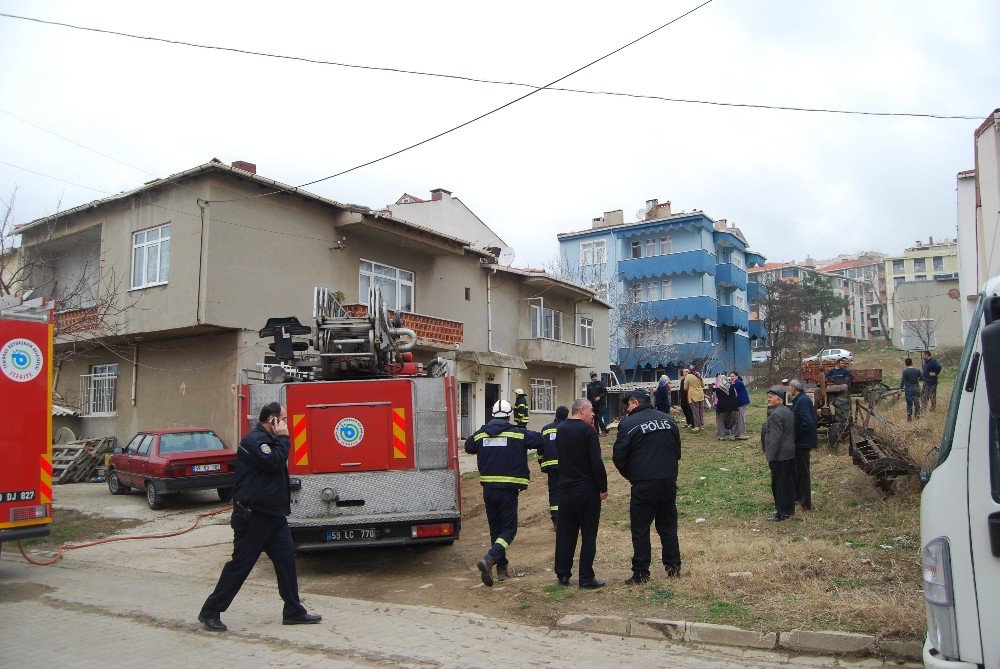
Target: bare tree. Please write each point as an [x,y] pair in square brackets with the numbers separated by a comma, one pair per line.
[917,323]
[782,310]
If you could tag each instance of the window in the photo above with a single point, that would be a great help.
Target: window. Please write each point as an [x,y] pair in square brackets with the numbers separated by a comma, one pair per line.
[585,332]
[789,273]
[938,263]
[650,248]
[739,301]
[666,246]
[636,292]
[545,323]
[543,395]
[600,289]
[666,289]
[396,285]
[898,267]
[593,253]
[919,277]
[97,389]
[653,291]
[151,257]
[920,264]
[636,249]
[144,446]
[707,332]
[896,280]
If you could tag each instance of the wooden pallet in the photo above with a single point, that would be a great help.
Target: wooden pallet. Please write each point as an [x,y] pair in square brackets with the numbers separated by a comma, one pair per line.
[78,460]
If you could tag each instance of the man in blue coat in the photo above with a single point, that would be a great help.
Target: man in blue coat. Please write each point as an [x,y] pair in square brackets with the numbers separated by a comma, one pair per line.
[805,441]
[931,370]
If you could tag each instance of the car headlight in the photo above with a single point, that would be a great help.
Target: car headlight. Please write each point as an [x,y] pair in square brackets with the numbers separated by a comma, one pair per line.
[939,596]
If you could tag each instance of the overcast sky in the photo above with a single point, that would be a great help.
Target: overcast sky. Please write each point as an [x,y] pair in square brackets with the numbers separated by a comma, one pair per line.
[796,183]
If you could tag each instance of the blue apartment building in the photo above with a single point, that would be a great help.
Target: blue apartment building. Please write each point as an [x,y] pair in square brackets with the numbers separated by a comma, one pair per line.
[685,272]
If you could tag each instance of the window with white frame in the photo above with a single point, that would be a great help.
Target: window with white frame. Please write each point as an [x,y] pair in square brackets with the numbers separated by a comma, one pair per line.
[636,249]
[593,253]
[666,289]
[545,323]
[650,248]
[602,290]
[151,257]
[585,331]
[920,264]
[938,263]
[666,246]
[653,291]
[543,395]
[97,389]
[396,285]
[637,292]
[898,267]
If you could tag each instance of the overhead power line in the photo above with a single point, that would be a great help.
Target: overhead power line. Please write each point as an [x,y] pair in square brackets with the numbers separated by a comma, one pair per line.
[494,82]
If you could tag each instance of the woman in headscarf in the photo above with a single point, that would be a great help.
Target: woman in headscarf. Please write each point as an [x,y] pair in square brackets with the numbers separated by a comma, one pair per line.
[725,407]
[695,389]
[661,396]
[742,402]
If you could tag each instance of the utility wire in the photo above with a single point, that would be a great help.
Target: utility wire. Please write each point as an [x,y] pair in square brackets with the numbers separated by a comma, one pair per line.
[495,82]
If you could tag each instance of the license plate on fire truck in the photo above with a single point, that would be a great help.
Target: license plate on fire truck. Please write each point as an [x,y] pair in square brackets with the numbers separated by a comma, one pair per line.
[214,467]
[352,534]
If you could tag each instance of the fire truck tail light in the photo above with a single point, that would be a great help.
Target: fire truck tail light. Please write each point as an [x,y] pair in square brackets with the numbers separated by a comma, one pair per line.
[29,513]
[435,530]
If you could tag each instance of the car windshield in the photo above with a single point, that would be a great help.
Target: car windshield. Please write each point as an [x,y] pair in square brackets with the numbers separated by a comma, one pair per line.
[187,442]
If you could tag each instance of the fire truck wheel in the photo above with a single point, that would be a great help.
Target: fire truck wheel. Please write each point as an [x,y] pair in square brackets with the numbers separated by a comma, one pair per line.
[225,494]
[114,485]
[153,498]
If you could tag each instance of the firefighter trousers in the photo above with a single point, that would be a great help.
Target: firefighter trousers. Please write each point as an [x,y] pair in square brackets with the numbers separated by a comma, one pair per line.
[553,477]
[501,514]
[263,534]
[654,502]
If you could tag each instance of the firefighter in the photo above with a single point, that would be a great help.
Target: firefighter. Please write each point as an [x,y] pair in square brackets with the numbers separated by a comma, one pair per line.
[521,408]
[502,458]
[548,460]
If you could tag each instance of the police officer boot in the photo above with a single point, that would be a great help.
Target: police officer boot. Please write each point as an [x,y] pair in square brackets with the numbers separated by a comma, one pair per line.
[486,570]
[502,573]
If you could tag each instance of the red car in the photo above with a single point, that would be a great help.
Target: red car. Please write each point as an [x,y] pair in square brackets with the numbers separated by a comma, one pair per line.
[166,461]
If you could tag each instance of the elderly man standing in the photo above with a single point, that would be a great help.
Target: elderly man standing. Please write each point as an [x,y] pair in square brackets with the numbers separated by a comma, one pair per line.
[777,437]
[646,452]
[805,441]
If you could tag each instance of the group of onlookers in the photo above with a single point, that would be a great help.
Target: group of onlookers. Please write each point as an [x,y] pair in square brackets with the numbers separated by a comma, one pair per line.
[728,397]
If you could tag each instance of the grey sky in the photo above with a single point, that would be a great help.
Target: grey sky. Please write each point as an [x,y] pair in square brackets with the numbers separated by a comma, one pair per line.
[796,183]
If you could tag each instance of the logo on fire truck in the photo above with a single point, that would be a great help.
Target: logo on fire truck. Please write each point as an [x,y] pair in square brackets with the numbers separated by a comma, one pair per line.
[349,432]
[20,360]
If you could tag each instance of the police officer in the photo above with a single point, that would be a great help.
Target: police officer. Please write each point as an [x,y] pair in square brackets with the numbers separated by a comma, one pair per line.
[261,502]
[583,484]
[548,460]
[646,451]
[502,457]
[840,375]
[597,393]
[521,416]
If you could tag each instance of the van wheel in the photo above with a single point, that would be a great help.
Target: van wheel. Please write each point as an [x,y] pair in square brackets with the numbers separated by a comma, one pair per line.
[225,494]
[153,498]
[115,485]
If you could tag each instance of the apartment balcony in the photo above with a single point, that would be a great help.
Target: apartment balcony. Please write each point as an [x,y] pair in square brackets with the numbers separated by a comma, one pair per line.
[755,259]
[729,275]
[76,321]
[757,330]
[431,331]
[671,355]
[556,353]
[680,308]
[686,262]
[733,317]
[756,292]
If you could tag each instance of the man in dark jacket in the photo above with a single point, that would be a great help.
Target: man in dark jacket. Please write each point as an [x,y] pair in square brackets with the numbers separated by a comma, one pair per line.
[597,393]
[548,460]
[583,484]
[805,441]
[502,457]
[840,375]
[931,370]
[777,437]
[521,416]
[909,383]
[646,452]
[261,502]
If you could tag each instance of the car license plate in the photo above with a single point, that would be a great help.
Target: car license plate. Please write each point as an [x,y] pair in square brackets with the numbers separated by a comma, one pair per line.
[353,534]
[214,467]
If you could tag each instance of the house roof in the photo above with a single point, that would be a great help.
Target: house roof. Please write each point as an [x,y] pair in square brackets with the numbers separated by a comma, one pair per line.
[847,264]
[679,214]
[770,265]
[541,276]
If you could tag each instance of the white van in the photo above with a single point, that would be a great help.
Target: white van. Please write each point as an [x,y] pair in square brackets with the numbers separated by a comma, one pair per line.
[960,508]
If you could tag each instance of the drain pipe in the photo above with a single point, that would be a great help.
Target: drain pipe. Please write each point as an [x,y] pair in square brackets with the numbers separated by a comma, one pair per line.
[489,311]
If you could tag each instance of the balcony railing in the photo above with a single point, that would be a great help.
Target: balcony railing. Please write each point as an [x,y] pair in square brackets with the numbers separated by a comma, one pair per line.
[428,328]
[680,308]
[734,317]
[757,330]
[729,275]
[97,394]
[756,291]
[686,262]
[555,352]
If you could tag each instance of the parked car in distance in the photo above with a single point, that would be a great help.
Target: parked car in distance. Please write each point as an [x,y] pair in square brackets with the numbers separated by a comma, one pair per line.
[167,461]
[760,356]
[834,354]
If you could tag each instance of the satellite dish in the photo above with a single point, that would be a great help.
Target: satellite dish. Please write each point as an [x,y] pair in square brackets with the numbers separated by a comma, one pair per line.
[640,215]
[506,257]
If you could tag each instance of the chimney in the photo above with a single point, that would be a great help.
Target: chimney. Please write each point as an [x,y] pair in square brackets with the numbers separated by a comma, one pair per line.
[597,222]
[930,241]
[655,210]
[245,166]
[438,194]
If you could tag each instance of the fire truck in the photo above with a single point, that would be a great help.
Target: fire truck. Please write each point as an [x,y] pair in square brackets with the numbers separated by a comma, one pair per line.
[26,441]
[374,436]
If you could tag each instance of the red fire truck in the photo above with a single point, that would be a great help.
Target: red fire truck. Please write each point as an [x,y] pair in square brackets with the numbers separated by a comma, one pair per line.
[374,457]
[26,441]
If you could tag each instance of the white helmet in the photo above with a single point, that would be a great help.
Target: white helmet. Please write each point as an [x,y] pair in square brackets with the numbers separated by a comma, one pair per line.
[518,391]
[501,409]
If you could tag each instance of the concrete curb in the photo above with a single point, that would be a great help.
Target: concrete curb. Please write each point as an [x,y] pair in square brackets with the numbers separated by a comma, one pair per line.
[796,640]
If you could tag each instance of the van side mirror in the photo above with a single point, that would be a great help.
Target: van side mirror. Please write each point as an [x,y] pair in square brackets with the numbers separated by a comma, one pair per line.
[990,338]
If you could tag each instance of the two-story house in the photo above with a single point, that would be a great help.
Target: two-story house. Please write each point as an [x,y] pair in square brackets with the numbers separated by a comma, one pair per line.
[179,275]
[678,282]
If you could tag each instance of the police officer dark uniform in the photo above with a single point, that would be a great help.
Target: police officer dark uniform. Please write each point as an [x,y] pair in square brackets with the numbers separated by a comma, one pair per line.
[583,483]
[261,502]
[841,401]
[646,451]
[548,460]
[597,393]
[502,456]
[521,416]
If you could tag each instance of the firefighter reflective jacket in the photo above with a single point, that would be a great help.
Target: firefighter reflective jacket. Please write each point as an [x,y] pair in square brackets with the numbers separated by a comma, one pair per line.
[502,453]
[521,410]
[548,454]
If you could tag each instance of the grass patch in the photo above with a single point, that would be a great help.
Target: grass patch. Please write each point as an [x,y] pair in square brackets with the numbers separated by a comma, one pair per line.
[468,476]
[556,591]
[70,527]
[523,607]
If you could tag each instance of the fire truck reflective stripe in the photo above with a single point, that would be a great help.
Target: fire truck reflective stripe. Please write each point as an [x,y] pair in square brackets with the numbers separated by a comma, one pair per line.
[502,543]
[300,439]
[503,479]
[45,489]
[399,434]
